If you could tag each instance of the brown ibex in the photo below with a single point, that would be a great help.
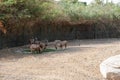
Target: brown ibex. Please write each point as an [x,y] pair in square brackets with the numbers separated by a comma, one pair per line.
[35,47]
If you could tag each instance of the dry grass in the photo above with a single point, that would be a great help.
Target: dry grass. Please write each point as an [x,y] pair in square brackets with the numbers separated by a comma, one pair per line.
[74,63]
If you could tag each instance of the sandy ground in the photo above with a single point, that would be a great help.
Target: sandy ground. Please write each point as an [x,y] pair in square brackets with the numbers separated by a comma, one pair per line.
[74,63]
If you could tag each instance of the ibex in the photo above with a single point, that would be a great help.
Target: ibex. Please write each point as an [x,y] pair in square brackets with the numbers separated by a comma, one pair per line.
[61,44]
[35,47]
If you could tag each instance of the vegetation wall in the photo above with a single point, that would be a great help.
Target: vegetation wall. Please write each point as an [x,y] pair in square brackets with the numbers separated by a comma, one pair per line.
[47,19]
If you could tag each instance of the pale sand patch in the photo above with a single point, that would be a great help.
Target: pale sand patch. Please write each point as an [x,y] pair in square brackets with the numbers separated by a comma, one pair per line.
[74,63]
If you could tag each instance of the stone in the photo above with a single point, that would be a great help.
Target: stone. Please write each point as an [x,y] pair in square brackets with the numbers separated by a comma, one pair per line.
[110,68]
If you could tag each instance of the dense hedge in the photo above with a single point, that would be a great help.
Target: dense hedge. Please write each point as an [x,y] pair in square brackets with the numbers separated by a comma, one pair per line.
[26,18]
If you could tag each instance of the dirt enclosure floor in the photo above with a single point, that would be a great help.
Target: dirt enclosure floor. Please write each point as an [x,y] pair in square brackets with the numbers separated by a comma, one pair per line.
[74,63]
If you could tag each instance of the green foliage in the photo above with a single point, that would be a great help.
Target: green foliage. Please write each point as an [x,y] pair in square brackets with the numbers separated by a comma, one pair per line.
[100,2]
[50,10]
[13,8]
[69,1]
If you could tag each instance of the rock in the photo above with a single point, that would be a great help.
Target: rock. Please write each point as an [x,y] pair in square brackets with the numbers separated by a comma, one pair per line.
[110,68]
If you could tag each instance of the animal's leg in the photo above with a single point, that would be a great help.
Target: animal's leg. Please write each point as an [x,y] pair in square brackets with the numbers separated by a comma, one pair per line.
[40,49]
[31,51]
[65,45]
[55,46]
[61,46]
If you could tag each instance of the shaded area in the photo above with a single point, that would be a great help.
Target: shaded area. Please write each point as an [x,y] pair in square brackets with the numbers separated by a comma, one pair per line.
[45,50]
[73,47]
